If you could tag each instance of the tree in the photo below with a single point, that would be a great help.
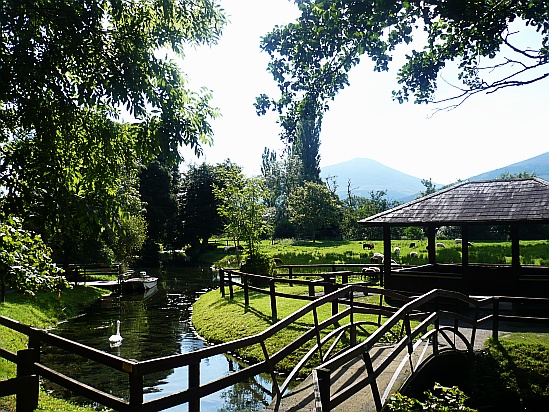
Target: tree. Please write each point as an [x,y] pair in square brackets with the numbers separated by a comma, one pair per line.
[313,207]
[281,177]
[242,205]
[311,58]
[71,194]
[67,69]
[199,218]
[158,191]
[306,147]
[430,188]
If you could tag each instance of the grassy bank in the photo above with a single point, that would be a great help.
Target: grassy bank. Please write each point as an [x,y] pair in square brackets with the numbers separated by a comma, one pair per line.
[221,320]
[42,311]
[513,372]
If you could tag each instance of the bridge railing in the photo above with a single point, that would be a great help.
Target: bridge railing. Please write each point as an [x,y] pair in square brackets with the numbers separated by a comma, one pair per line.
[429,329]
[430,326]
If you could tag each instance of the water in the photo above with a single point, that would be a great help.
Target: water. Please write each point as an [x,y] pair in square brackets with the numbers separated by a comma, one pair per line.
[153,325]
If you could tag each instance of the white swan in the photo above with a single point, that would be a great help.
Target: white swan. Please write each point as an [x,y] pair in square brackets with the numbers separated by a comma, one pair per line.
[117,337]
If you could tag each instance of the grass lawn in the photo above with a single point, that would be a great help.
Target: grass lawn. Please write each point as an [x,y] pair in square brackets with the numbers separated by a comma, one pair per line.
[326,251]
[219,319]
[42,311]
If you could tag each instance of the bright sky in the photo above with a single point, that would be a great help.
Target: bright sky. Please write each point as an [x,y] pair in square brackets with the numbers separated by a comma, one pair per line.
[487,132]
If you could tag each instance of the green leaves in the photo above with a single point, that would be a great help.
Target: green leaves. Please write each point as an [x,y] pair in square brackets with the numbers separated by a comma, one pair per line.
[25,263]
[313,207]
[242,205]
[67,69]
[311,57]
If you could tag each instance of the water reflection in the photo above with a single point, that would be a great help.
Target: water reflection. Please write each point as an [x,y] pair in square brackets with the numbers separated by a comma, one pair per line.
[152,325]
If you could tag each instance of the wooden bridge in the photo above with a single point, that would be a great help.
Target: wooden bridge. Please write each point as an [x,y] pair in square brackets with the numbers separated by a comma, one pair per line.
[337,341]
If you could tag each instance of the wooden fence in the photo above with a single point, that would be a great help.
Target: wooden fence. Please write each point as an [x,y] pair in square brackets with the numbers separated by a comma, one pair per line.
[427,331]
[324,333]
[228,278]
[195,390]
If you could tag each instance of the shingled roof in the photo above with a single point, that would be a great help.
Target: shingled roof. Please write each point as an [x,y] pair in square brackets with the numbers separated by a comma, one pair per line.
[474,202]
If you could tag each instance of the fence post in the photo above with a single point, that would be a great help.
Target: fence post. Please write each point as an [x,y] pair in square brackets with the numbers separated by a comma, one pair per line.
[335,302]
[311,288]
[222,282]
[27,395]
[246,292]
[381,276]
[322,389]
[435,336]
[136,386]
[495,318]
[194,382]
[352,316]
[230,279]
[272,292]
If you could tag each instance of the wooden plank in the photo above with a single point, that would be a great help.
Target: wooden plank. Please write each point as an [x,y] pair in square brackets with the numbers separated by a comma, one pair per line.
[87,391]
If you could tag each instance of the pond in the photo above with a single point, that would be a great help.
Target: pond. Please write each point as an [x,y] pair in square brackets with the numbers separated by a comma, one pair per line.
[153,325]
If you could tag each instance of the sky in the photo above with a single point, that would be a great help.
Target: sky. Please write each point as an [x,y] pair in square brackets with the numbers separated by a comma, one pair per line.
[485,133]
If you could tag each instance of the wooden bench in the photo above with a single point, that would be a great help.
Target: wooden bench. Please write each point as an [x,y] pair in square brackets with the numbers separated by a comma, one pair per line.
[88,271]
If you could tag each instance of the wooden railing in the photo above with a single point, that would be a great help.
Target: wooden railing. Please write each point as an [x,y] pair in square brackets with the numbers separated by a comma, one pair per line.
[84,272]
[229,278]
[325,335]
[195,390]
[428,330]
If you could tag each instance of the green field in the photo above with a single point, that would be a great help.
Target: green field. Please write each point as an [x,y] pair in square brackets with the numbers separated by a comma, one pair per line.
[306,252]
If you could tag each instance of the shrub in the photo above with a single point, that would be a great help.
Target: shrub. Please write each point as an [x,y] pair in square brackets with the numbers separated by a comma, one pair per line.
[442,398]
[259,264]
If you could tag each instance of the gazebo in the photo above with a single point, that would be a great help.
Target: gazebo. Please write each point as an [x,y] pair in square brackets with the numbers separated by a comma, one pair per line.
[517,203]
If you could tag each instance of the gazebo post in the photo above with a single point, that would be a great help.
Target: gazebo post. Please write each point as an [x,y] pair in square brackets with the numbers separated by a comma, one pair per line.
[431,244]
[515,248]
[386,253]
[465,246]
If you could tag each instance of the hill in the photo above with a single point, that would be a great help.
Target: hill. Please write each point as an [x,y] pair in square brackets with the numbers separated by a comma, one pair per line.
[538,165]
[367,175]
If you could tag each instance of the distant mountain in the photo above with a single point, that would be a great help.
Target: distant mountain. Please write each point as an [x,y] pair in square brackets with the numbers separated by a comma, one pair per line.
[367,175]
[538,165]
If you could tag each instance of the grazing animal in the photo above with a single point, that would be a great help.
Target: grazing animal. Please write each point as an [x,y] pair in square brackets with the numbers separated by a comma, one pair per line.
[377,258]
[368,246]
[414,255]
[116,338]
[412,244]
[397,251]
[441,245]
[458,241]
[229,249]
[278,261]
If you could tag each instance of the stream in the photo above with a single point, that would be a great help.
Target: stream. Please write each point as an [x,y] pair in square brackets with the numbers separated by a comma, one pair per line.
[153,325]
